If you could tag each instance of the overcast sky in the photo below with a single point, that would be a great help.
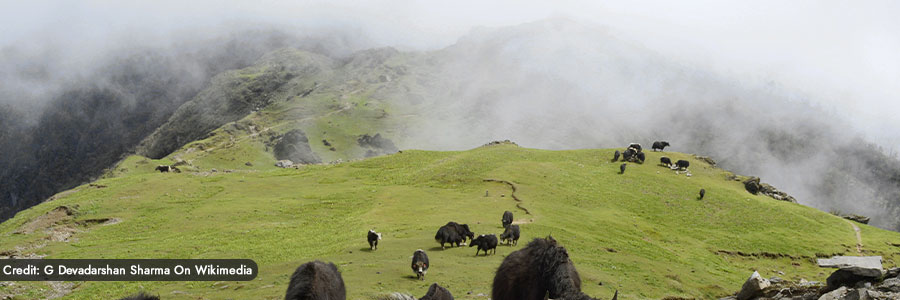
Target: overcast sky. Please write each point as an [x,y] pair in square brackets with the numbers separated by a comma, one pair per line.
[842,55]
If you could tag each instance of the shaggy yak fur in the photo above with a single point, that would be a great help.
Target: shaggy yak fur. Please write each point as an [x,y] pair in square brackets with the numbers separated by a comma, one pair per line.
[316,280]
[682,164]
[485,242]
[622,169]
[541,269]
[141,296]
[453,233]
[616,155]
[437,292]
[420,264]
[510,235]
[507,218]
[640,157]
[702,193]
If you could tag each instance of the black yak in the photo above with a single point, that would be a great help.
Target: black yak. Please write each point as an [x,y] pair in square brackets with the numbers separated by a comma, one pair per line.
[622,169]
[437,292]
[616,155]
[373,238]
[682,164]
[636,146]
[541,268]
[507,218]
[640,157]
[316,280]
[702,193]
[485,242]
[141,296]
[163,169]
[628,154]
[510,235]
[453,233]
[665,161]
[420,264]
[660,145]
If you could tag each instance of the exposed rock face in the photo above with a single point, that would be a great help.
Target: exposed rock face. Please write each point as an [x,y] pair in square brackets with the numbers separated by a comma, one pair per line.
[856,218]
[753,287]
[868,266]
[294,146]
[376,145]
[858,278]
[754,186]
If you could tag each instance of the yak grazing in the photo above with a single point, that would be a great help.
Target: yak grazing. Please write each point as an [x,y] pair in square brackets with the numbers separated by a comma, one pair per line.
[453,233]
[665,161]
[510,235]
[316,280]
[682,164]
[485,242]
[542,268]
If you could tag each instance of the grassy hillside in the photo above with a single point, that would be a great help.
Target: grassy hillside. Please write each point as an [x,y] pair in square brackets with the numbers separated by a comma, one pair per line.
[642,232]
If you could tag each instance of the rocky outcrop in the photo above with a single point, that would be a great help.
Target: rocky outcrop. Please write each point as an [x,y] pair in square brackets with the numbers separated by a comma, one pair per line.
[706,159]
[754,186]
[854,217]
[852,270]
[503,142]
[753,287]
[376,145]
[858,277]
[294,146]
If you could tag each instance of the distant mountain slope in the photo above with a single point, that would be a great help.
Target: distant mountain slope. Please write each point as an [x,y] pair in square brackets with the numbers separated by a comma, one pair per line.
[643,233]
[553,84]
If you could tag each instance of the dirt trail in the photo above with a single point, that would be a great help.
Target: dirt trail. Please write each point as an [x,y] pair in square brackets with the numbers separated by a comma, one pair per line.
[513,194]
[856,229]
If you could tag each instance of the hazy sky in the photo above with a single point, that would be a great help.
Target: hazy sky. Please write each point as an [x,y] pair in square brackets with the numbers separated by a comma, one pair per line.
[843,55]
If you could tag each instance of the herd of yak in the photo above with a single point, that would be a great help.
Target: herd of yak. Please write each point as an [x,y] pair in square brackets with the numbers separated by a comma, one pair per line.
[541,270]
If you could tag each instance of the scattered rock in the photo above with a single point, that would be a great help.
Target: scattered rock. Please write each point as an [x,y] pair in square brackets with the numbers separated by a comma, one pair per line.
[844,278]
[892,272]
[294,146]
[284,163]
[249,164]
[890,285]
[376,145]
[753,287]
[856,218]
[754,186]
[868,266]
[836,294]
[706,159]
[503,142]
